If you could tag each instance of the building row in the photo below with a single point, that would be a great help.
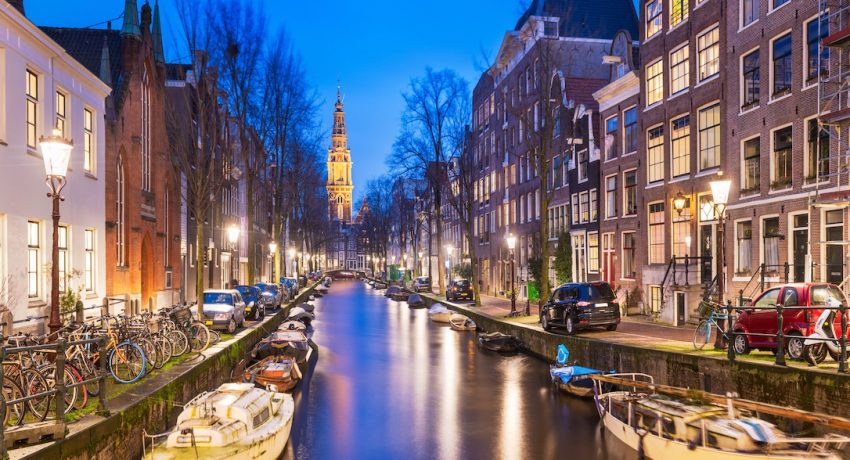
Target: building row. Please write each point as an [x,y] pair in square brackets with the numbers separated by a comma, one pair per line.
[648,108]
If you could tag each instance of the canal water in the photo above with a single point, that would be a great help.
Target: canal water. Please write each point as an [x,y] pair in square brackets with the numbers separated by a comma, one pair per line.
[391,384]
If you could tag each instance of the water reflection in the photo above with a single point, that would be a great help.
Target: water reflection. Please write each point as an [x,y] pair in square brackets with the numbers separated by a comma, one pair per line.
[391,384]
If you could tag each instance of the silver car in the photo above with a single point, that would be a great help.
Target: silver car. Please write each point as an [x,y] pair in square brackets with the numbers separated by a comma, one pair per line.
[224,309]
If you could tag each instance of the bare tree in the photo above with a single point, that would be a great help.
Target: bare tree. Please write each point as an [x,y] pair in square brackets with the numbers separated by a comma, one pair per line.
[433,110]
[462,198]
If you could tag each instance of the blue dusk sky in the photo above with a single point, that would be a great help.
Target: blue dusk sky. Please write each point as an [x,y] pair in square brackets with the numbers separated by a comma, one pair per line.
[373,47]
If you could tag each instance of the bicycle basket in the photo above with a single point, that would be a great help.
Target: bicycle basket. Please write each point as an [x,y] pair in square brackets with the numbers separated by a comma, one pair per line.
[153,325]
[181,314]
[705,309]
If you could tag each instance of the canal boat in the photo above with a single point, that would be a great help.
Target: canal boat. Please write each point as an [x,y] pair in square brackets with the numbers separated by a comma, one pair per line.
[289,342]
[571,378]
[415,301]
[279,371]
[292,325]
[460,322]
[396,293]
[662,422]
[439,313]
[302,315]
[497,341]
[235,421]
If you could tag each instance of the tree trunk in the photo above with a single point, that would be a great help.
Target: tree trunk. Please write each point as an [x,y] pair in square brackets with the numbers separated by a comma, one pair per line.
[199,262]
[438,212]
[249,233]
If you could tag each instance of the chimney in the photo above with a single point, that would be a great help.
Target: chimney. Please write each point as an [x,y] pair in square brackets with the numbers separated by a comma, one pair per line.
[18,5]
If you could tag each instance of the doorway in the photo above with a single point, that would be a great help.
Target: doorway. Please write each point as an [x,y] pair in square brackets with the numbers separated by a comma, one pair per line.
[706,243]
[800,243]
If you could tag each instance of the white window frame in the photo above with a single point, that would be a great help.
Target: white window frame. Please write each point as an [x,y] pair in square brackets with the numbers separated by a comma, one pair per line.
[742,83]
[636,127]
[771,85]
[719,145]
[743,161]
[700,64]
[625,194]
[772,152]
[686,64]
[611,196]
[654,95]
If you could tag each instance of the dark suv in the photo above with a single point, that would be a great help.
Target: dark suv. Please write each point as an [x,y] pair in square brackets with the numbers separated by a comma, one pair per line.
[459,289]
[575,306]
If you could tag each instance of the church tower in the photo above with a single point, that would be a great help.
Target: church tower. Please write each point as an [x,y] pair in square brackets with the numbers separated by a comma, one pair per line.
[339,183]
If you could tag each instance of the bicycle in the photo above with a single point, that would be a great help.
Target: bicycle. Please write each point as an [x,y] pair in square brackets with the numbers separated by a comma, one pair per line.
[703,332]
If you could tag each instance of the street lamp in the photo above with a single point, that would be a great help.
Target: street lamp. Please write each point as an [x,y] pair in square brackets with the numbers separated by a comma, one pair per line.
[449,251]
[291,253]
[510,239]
[679,203]
[56,153]
[720,196]
[273,252]
[233,236]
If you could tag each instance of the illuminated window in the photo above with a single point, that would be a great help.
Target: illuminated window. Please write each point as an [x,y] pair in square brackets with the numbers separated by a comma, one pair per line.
[32,109]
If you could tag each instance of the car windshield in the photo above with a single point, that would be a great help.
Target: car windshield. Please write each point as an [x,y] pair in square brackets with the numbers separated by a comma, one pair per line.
[820,295]
[218,297]
[462,283]
[597,292]
[423,280]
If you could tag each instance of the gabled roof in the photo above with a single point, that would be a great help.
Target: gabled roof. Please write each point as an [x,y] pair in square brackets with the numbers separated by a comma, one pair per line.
[86,46]
[586,18]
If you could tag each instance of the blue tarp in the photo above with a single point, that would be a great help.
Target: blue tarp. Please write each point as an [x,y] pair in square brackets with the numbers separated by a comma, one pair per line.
[566,374]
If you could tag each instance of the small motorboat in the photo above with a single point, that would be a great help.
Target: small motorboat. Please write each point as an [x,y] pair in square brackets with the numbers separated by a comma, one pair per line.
[380,285]
[292,325]
[321,288]
[460,322]
[279,371]
[497,341]
[439,313]
[415,301]
[293,343]
[570,378]
[300,314]
[308,307]
[234,421]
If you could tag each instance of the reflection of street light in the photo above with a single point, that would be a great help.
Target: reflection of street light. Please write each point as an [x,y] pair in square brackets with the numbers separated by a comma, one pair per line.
[688,241]
[56,153]
[720,196]
[510,239]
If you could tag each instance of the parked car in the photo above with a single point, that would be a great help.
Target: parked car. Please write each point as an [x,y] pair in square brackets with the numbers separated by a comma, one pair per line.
[224,309]
[291,284]
[422,284]
[796,323]
[271,294]
[458,289]
[255,308]
[576,306]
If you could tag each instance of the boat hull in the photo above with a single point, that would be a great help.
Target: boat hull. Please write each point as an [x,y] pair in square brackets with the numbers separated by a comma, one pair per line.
[442,317]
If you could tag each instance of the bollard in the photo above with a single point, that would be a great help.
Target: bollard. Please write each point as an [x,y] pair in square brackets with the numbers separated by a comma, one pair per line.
[78,307]
[102,409]
[780,337]
[730,347]
[3,454]
[842,355]
[59,380]
[761,277]
[787,271]
[687,277]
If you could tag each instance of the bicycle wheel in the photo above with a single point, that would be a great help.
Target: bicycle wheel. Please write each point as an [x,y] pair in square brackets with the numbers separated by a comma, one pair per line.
[33,383]
[82,393]
[151,353]
[14,412]
[165,350]
[88,370]
[215,336]
[71,393]
[199,336]
[126,362]
[179,342]
[702,334]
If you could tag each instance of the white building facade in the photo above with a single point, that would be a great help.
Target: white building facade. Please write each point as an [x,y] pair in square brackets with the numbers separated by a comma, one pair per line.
[42,88]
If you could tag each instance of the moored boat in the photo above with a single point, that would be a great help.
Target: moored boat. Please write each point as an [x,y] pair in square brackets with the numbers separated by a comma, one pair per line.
[663,423]
[571,378]
[281,371]
[235,421]
[292,325]
[415,301]
[497,341]
[439,313]
[460,322]
[290,342]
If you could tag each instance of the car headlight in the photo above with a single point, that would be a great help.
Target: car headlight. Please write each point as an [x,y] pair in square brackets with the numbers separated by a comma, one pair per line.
[222,316]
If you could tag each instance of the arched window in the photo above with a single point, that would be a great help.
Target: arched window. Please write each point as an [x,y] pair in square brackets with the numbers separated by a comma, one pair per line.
[119,216]
[146,133]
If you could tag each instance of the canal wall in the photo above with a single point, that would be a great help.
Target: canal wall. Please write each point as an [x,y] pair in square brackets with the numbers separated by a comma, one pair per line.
[815,390]
[150,404]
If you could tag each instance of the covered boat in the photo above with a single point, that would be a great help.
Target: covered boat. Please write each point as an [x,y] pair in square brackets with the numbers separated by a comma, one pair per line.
[292,325]
[278,370]
[235,421]
[571,378]
[302,315]
[497,341]
[415,301]
[396,293]
[292,343]
[663,426]
[321,288]
[439,313]
[460,322]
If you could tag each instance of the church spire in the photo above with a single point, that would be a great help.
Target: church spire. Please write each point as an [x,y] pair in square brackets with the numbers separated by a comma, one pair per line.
[131,19]
[340,184]
[157,35]
[338,97]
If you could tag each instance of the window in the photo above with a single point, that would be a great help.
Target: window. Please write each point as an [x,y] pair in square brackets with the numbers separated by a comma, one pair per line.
[630,131]
[593,252]
[580,258]
[582,165]
[584,206]
[771,236]
[594,205]
[656,233]
[556,172]
[707,210]
[678,11]
[60,114]
[655,154]
[778,3]
[781,158]
[611,145]
[743,242]
[782,66]
[817,153]
[655,296]
[654,83]
[708,45]
[681,229]
[628,255]
[752,165]
[119,216]
[62,243]
[680,145]
[679,69]
[817,57]
[653,17]
[709,137]
[630,193]
[834,252]
[88,140]
[32,109]
[751,79]
[146,134]
[89,262]
[749,11]
[33,259]
[611,196]
[575,211]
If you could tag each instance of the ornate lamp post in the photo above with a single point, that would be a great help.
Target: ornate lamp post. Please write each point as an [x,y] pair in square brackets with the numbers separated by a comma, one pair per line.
[511,242]
[273,252]
[449,251]
[291,252]
[720,196]
[232,237]
[56,153]
[679,203]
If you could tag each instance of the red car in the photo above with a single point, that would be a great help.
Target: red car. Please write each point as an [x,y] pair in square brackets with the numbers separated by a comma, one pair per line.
[796,323]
